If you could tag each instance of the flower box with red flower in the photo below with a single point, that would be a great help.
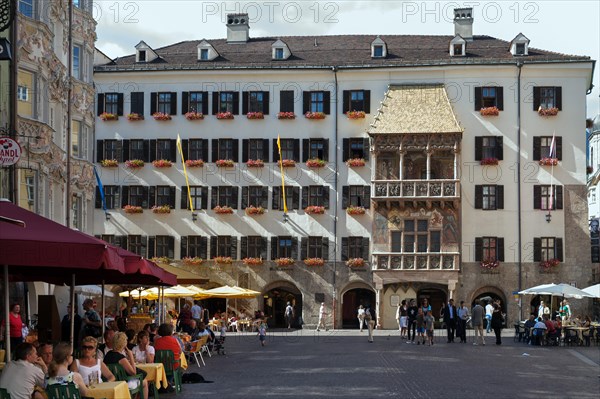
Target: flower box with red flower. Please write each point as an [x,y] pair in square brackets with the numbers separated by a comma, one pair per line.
[286,115]
[356,162]
[161,116]
[316,163]
[192,261]
[134,163]
[225,163]
[223,210]
[355,114]
[287,163]
[109,163]
[355,262]
[546,161]
[314,115]
[553,111]
[135,117]
[549,264]
[489,161]
[315,210]
[133,209]
[255,163]
[194,116]
[489,111]
[107,116]
[162,163]
[356,210]
[194,163]
[252,261]
[255,115]
[161,209]
[161,259]
[223,260]
[314,261]
[255,210]
[225,115]
[489,264]
[284,261]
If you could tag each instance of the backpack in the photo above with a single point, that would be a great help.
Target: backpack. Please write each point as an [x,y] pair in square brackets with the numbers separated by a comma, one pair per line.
[193,378]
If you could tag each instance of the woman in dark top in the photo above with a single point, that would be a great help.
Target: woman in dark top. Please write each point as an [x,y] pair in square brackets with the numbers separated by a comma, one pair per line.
[126,361]
[412,320]
[497,320]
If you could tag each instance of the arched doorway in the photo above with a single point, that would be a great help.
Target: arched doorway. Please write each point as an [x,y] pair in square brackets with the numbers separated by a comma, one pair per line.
[492,292]
[436,298]
[351,300]
[276,296]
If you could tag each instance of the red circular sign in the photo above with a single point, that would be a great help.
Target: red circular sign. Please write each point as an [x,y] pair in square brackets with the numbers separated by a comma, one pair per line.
[10,151]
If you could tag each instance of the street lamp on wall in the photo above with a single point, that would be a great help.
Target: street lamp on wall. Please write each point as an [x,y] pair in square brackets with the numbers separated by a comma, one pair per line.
[548,217]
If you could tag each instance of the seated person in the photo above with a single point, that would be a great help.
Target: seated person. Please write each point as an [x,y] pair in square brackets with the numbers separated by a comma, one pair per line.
[127,361]
[166,341]
[529,327]
[193,330]
[89,363]
[131,340]
[539,329]
[143,352]
[21,377]
[59,373]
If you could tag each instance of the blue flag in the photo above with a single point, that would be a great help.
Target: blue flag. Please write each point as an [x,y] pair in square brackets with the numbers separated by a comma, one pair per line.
[100,188]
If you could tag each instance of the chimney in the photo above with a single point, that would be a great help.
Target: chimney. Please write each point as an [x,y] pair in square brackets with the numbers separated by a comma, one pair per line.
[238,30]
[463,23]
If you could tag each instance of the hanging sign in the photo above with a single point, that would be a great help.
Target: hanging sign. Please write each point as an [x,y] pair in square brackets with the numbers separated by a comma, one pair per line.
[10,151]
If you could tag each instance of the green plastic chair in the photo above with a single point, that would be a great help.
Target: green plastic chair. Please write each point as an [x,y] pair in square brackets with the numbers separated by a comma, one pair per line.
[121,375]
[167,358]
[59,391]
[4,394]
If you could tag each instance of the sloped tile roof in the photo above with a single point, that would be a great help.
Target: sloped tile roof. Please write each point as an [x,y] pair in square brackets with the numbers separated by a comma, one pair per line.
[415,109]
[339,50]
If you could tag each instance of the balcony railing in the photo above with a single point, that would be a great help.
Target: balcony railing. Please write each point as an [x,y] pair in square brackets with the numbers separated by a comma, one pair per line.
[420,189]
[416,261]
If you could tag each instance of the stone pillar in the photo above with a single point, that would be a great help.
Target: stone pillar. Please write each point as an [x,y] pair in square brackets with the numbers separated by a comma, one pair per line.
[378,296]
[429,152]
[401,170]
[456,152]
[451,288]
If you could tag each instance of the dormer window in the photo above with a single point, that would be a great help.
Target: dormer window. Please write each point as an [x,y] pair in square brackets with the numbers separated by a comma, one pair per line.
[519,46]
[142,56]
[144,53]
[278,53]
[378,48]
[206,51]
[378,51]
[520,49]
[280,50]
[458,49]
[458,46]
[204,54]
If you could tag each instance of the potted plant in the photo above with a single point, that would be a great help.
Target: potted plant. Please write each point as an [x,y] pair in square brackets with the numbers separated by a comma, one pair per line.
[134,163]
[223,260]
[255,210]
[194,163]
[356,162]
[287,163]
[161,116]
[223,210]
[356,210]
[489,111]
[109,163]
[315,163]
[194,116]
[314,261]
[225,115]
[314,210]
[284,261]
[355,114]
[355,262]
[225,163]
[106,116]
[161,209]
[286,115]
[546,161]
[314,115]
[160,259]
[135,117]
[192,261]
[553,111]
[550,264]
[252,261]
[133,209]
[255,163]
[162,163]
[255,115]
[489,161]
[489,264]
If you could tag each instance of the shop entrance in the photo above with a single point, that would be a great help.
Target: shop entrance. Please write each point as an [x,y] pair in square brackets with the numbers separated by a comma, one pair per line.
[351,300]
[275,302]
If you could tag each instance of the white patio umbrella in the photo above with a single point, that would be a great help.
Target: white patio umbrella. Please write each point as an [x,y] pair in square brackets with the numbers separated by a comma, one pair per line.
[538,290]
[593,290]
[564,290]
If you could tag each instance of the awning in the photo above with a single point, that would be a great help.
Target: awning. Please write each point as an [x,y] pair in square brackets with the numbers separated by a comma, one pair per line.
[183,276]
[415,109]
[92,290]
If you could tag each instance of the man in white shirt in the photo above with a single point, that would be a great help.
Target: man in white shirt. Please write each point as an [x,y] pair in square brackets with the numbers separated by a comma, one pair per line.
[489,309]
[196,312]
[20,377]
[322,314]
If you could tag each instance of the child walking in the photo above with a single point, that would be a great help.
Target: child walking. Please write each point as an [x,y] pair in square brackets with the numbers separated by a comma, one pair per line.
[429,327]
[420,327]
[262,333]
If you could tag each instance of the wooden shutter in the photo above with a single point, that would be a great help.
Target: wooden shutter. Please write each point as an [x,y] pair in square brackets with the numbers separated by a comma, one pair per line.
[204,197]
[236,150]
[367,97]
[205,103]
[305,101]
[236,103]
[173,150]
[234,248]
[366,149]
[146,147]
[265,156]
[558,197]
[183,247]
[153,103]
[99,150]
[173,103]
[98,202]
[245,150]
[326,150]
[537,94]
[215,103]
[137,102]
[266,102]
[346,101]
[151,197]
[500,98]
[245,95]
[184,197]
[276,198]
[327,102]
[235,197]
[264,197]
[345,196]
[294,248]
[100,104]
[185,146]
[345,149]
[172,197]
[558,252]
[305,149]
[214,197]
[366,197]
[185,102]
[499,197]
[345,249]
[558,141]
[274,247]
[153,150]
[537,197]
[478,249]
[119,150]
[537,151]
[304,197]
[263,247]
[478,196]
[215,150]
[325,248]
[171,244]
[477,98]
[245,197]
[478,148]
[365,249]
[213,246]
[286,101]
[151,246]
[558,97]
[297,150]
[303,248]
[120,104]
[275,151]
[326,197]
[537,249]
[145,194]
[243,247]
[296,198]
[500,248]
[124,196]
[499,148]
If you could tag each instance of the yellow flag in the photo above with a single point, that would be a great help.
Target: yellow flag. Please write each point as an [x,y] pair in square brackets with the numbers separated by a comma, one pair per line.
[187,183]
[282,175]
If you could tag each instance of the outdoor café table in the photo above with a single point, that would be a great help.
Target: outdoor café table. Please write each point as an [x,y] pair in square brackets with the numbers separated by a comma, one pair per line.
[110,390]
[156,373]
[243,324]
[215,325]
[579,330]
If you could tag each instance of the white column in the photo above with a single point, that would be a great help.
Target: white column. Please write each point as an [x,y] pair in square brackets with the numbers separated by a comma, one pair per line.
[378,295]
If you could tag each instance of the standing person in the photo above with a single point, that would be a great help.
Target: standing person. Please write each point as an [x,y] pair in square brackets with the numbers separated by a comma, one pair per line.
[420,321]
[92,326]
[425,305]
[398,318]
[262,333]
[197,312]
[450,316]
[21,377]
[361,317]
[65,327]
[184,318]
[16,326]
[489,309]
[412,320]
[289,314]
[429,320]
[463,316]
[322,314]
[477,321]
[566,310]
[542,310]
[497,320]
[403,318]
[370,322]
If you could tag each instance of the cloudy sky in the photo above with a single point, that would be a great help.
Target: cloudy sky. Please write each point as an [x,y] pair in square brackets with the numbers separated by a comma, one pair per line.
[567,27]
